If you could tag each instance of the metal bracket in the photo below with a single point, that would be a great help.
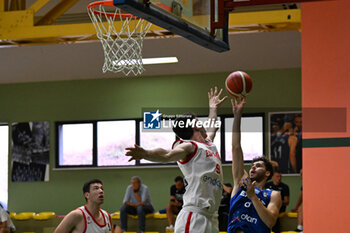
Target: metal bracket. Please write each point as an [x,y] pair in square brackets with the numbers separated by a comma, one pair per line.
[225,6]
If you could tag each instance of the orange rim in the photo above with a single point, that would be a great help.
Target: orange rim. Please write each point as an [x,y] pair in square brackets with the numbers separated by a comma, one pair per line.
[92,5]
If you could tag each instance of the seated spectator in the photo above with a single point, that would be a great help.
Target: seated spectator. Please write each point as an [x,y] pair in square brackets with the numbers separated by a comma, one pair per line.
[176,193]
[224,206]
[278,185]
[6,224]
[137,201]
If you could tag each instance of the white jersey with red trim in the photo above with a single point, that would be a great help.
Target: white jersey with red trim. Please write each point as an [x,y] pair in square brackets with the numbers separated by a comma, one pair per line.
[203,176]
[92,226]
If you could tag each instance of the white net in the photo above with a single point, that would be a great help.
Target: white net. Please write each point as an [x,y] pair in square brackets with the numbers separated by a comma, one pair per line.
[122,39]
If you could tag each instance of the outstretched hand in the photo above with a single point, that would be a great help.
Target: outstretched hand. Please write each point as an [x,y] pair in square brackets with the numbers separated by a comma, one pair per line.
[214,98]
[237,105]
[249,186]
[136,152]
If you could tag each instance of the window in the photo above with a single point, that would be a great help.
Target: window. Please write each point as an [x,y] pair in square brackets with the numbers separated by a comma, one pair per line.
[113,138]
[252,137]
[4,142]
[94,144]
[151,140]
[76,144]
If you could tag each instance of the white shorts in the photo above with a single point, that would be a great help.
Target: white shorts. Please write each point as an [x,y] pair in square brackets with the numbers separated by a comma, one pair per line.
[194,222]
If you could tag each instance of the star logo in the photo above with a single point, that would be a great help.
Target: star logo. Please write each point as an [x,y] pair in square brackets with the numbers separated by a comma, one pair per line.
[151,120]
[155,115]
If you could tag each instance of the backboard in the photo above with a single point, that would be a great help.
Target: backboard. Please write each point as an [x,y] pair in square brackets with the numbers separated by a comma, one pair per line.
[188,18]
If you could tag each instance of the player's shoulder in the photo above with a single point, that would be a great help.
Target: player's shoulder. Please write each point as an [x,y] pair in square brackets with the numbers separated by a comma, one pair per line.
[275,194]
[208,140]
[75,215]
[187,145]
[181,142]
[267,192]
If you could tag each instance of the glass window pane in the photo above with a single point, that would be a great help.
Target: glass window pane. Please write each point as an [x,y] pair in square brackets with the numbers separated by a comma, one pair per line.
[113,137]
[4,142]
[76,144]
[251,137]
[152,140]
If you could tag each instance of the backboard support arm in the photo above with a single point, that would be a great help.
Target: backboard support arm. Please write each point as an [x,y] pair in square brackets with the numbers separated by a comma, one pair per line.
[223,7]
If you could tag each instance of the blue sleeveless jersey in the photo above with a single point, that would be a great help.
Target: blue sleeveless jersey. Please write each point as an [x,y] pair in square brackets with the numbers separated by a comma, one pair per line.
[243,215]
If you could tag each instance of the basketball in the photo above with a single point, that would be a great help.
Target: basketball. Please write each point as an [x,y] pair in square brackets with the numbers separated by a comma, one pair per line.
[238,84]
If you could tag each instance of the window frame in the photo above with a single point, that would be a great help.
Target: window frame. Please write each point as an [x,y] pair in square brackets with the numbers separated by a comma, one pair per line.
[8,125]
[58,136]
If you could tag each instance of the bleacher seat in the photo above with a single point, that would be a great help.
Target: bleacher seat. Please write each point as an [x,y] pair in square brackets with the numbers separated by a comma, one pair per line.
[135,216]
[24,216]
[44,215]
[282,214]
[12,214]
[158,215]
[292,214]
[115,215]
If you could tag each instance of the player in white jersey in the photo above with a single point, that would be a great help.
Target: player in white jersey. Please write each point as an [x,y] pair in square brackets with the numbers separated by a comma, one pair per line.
[89,218]
[200,163]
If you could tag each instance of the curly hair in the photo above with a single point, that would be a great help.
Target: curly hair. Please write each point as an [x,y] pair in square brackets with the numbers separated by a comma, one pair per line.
[267,163]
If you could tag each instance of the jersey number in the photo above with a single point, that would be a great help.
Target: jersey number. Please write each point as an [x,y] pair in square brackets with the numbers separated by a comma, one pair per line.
[218,169]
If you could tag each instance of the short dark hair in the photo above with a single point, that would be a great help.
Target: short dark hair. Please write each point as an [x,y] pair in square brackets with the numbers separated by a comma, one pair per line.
[185,132]
[86,186]
[179,178]
[277,171]
[267,164]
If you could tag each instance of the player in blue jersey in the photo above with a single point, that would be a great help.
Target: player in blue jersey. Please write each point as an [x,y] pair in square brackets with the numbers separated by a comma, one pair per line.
[253,209]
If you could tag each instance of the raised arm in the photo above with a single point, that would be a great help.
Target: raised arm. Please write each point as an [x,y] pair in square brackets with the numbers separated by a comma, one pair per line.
[214,103]
[237,154]
[180,152]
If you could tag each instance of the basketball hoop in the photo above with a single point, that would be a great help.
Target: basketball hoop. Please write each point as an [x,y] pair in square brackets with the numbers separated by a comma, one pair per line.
[122,46]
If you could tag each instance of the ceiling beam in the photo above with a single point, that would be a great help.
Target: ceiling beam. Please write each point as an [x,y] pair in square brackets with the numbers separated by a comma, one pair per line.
[36,6]
[51,16]
[231,4]
[17,27]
